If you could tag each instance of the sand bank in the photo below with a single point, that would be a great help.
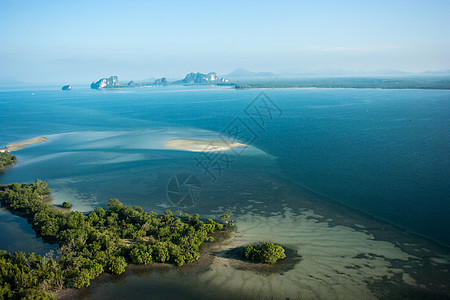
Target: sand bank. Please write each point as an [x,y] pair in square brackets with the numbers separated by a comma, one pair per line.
[26,143]
[336,262]
[201,145]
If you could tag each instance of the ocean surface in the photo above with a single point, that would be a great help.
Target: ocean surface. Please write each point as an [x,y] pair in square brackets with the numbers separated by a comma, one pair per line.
[384,153]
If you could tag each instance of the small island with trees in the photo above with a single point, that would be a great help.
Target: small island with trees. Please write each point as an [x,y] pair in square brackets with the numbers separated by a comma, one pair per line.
[267,253]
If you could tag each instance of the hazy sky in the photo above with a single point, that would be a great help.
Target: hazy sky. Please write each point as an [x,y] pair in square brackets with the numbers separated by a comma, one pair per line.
[80,41]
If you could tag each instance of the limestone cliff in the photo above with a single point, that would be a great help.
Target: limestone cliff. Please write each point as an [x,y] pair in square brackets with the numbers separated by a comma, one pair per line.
[105,83]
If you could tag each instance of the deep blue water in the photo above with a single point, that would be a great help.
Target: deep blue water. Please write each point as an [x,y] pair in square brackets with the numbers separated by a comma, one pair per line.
[384,152]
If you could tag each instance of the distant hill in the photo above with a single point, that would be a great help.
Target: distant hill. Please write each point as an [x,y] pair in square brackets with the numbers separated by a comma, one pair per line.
[243,73]
[437,73]
[9,81]
[329,72]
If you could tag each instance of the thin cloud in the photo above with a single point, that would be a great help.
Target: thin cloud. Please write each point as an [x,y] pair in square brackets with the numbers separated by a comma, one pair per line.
[355,49]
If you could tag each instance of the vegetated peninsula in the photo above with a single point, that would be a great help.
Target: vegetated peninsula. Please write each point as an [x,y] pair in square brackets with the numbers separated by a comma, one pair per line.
[6,159]
[409,82]
[103,240]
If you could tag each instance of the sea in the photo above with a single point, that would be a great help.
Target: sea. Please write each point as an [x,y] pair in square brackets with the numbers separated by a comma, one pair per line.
[383,154]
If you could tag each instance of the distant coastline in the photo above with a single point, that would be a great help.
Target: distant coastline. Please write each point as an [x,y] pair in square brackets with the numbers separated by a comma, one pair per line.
[441,83]
[200,79]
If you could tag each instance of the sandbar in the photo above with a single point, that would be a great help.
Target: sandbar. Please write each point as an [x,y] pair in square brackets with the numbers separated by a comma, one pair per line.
[24,144]
[201,145]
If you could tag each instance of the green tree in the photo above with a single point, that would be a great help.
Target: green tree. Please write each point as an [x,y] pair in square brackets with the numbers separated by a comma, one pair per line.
[161,253]
[91,243]
[6,159]
[141,254]
[268,253]
[226,217]
[116,264]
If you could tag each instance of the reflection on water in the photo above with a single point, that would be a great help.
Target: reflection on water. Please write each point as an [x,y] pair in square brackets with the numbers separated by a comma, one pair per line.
[17,235]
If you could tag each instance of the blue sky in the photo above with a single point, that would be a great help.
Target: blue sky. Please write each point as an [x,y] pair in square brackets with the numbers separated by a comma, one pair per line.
[79,41]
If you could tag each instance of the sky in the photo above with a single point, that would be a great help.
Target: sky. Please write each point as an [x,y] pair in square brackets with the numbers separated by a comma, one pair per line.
[81,41]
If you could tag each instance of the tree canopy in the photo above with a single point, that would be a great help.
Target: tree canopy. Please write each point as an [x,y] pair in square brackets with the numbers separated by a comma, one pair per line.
[6,159]
[268,253]
[103,240]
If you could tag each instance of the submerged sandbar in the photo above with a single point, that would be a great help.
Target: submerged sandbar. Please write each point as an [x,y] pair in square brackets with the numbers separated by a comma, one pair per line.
[201,145]
[24,144]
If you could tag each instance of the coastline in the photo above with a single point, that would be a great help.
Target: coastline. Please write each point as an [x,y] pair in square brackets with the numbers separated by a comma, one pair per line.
[342,253]
[207,254]
[331,260]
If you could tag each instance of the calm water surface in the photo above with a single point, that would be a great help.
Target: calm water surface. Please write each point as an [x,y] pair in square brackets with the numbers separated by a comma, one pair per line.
[384,152]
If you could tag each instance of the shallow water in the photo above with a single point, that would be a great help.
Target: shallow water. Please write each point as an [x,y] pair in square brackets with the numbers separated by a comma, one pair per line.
[17,235]
[383,152]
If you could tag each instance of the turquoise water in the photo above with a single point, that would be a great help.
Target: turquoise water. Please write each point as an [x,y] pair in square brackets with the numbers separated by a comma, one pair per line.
[384,152]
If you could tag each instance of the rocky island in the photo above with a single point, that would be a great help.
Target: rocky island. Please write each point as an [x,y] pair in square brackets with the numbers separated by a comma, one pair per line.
[67,87]
[200,78]
[111,82]
[161,81]
[190,79]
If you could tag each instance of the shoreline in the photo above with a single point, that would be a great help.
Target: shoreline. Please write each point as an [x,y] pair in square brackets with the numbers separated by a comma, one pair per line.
[340,88]
[340,253]
[194,268]
[331,260]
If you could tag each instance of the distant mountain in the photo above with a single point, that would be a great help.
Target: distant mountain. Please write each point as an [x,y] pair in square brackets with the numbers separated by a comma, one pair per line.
[9,81]
[243,73]
[161,81]
[437,73]
[329,72]
[386,72]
